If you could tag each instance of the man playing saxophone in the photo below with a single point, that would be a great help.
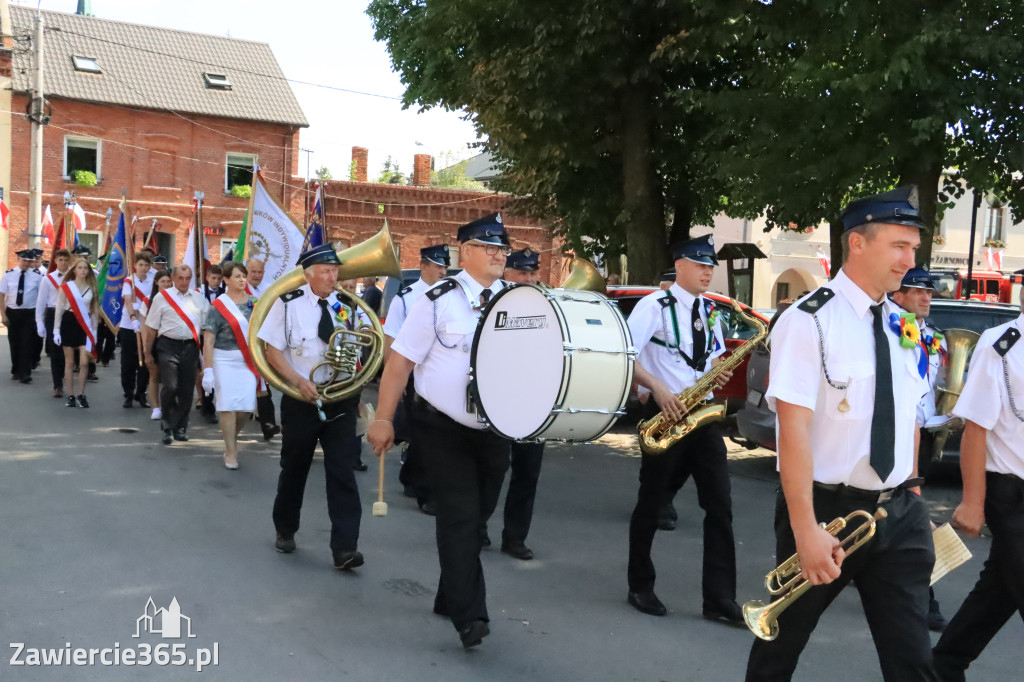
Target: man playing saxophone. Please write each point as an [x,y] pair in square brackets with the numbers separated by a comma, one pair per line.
[846,377]
[676,334]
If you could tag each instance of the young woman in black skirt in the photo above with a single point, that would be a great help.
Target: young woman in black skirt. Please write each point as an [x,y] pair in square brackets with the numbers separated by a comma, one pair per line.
[69,331]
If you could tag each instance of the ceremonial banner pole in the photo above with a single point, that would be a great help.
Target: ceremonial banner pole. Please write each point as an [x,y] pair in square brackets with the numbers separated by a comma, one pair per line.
[198,243]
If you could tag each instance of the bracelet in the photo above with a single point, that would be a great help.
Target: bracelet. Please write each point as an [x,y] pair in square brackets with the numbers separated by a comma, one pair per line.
[386,421]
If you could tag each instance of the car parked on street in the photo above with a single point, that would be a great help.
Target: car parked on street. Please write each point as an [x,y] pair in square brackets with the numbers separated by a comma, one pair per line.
[756,423]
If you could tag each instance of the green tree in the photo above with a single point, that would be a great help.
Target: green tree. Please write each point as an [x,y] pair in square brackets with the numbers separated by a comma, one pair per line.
[453,174]
[391,174]
[323,174]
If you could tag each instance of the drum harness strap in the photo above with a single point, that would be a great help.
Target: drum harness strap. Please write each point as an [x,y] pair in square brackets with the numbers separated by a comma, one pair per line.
[669,301]
[450,283]
[1002,347]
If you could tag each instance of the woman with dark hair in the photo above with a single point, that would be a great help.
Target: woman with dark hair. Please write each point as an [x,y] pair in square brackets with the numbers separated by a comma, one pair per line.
[229,371]
[74,326]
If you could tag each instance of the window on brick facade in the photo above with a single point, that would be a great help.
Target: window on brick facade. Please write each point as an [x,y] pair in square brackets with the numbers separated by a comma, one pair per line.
[994,223]
[238,170]
[86,64]
[82,154]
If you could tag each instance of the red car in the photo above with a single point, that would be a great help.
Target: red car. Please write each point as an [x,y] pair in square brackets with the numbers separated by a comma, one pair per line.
[736,329]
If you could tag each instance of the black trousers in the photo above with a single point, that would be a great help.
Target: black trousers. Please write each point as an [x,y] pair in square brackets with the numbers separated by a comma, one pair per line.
[178,362]
[21,335]
[53,351]
[106,343]
[999,592]
[134,376]
[701,455]
[265,408]
[524,472]
[301,430]
[891,573]
[465,469]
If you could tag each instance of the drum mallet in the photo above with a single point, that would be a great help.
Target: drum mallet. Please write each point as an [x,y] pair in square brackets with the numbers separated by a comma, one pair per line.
[380,507]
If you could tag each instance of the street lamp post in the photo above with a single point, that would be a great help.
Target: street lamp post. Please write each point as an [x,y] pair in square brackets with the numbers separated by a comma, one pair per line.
[975,205]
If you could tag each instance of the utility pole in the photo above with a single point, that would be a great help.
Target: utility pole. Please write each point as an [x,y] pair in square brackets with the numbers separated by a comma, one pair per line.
[39,119]
[309,155]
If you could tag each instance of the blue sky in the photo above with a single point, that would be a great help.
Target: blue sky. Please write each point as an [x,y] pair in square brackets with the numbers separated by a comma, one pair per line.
[320,41]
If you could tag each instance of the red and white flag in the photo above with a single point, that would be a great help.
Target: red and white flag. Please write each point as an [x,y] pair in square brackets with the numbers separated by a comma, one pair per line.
[47,229]
[995,259]
[826,263]
[4,212]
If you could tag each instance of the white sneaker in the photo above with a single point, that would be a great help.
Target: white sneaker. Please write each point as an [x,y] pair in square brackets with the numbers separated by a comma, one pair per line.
[157,414]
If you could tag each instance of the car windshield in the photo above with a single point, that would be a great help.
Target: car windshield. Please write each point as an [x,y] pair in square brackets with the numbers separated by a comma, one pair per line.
[974,318]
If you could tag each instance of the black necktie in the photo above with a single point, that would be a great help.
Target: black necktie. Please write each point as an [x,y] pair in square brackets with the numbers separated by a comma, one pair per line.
[326,326]
[883,421]
[21,289]
[485,296]
[700,339]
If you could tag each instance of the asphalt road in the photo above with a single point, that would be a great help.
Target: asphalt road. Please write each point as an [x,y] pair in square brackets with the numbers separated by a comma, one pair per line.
[98,518]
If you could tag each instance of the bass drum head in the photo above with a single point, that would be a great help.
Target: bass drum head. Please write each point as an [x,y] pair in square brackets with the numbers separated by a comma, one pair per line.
[518,361]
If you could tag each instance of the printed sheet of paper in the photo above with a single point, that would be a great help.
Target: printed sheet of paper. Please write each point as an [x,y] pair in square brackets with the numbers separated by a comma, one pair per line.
[950,551]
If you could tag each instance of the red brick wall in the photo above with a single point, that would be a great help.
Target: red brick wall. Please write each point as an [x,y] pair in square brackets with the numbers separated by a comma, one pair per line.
[157,185]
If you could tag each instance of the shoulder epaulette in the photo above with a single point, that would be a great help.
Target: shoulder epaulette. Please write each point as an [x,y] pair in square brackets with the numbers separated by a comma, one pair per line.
[11,270]
[441,289]
[667,300]
[817,300]
[404,290]
[291,295]
[1006,341]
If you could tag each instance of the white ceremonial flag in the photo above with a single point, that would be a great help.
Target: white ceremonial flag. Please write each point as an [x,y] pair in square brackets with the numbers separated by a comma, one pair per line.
[190,257]
[273,236]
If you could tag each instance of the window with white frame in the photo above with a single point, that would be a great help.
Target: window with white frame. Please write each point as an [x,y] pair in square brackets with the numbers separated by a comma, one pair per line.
[91,240]
[994,219]
[238,170]
[227,246]
[82,154]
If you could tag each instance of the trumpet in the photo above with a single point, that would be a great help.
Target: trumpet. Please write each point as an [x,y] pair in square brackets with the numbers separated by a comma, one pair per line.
[785,583]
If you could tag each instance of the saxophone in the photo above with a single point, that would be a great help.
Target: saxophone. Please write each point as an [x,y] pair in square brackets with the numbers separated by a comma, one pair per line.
[658,433]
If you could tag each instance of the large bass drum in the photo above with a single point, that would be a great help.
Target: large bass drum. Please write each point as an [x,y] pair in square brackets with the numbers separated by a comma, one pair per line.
[551,364]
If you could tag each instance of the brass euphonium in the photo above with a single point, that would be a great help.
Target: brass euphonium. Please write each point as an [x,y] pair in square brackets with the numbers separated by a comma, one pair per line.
[373,257]
[584,276]
[959,344]
[785,584]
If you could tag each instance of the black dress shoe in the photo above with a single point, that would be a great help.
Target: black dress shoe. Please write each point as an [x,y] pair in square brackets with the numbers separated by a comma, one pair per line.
[485,540]
[142,401]
[270,430]
[179,434]
[285,543]
[210,418]
[127,403]
[519,550]
[26,380]
[665,523]
[427,507]
[728,612]
[647,602]
[409,491]
[473,634]
[347,559]
[92,378]
[936,621]
[168,437]
[360,466]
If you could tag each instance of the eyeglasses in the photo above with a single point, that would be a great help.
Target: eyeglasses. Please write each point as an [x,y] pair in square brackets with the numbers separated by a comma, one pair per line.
[492,249]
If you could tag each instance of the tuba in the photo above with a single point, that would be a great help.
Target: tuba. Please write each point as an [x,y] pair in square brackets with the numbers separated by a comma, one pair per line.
[959,345]
[375,256]
[584,276]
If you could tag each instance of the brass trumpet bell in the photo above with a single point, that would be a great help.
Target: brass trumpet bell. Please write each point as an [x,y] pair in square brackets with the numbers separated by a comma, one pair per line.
[584,276]
[373,257]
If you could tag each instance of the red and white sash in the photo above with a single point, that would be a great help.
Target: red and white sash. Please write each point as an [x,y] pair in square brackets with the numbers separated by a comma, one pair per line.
[240,327]
[181,313]
[252,292]
[53,280]
[81,312]
[139,296]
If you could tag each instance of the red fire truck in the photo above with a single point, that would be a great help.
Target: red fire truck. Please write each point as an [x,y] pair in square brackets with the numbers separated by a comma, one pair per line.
[985,285]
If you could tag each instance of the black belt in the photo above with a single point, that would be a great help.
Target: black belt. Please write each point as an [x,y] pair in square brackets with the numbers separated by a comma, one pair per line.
[862,495]
[423,404]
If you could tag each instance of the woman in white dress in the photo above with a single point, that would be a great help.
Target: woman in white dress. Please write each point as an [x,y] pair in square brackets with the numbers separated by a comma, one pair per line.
[227,366]
[74,326]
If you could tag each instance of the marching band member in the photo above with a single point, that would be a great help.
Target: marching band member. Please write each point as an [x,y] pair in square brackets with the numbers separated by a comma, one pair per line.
[434,263]
[46,309]
[264,399]
[296,331]
[672,357]
[464,461]
[845,383]
[228,369]
[522,267]
[74,327]
[172,330]
[993,475]
[135,293]
[915,296]
[19,289]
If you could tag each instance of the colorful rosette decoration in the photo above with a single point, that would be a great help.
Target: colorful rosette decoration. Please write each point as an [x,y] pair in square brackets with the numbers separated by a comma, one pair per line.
[905,326]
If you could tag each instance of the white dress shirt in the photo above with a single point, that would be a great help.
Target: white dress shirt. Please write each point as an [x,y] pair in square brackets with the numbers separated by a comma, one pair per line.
[296,333]
[937,368]
[9,287]
[166,321]
[47,297]
[650,320]
[984,400]
[442,358]
[400,306]
[146,287]
[841,441]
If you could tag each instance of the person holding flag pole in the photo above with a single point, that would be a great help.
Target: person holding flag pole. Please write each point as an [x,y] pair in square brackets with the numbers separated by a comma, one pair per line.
[46,313]
[75,326]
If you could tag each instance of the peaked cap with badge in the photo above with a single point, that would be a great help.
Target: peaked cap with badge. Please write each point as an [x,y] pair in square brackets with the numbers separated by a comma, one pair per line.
[319,255]
[918,278]
[486,230]
[900,206]
[699,250]
[438,255]
[526,259]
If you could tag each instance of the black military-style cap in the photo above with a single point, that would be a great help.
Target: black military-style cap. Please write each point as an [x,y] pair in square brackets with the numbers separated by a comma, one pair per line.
[487,230]
[526,259]
[438,255]
[669,275]
[159,260]
[699,250]
[900,206]
[81,250]
[319,255]
[918,278]
[27,254]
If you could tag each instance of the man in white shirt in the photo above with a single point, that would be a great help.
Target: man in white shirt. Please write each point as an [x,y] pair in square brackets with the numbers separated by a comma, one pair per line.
[46,305]
[465,462]
[845,383]
[19,289]
[677,334]
[172,329]
[992,463]
[254,280]
[135,293]
[264,399]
